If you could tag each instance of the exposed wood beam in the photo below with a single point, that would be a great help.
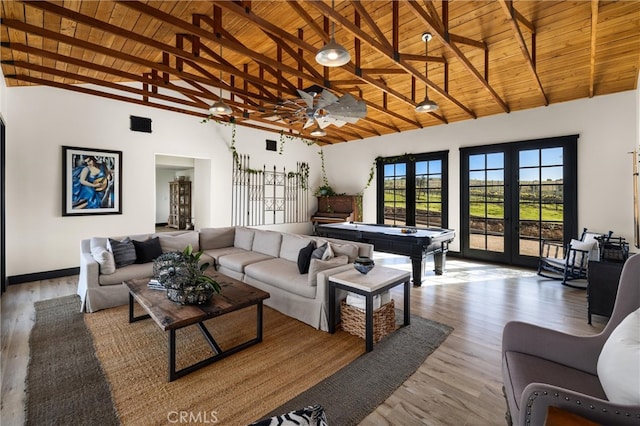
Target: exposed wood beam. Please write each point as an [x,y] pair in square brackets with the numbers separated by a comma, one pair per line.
[507,7]
[592,59]
[371,23]
[443,38]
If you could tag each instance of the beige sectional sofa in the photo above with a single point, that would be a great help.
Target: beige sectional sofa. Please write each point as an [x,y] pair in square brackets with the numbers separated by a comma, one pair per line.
[262,258]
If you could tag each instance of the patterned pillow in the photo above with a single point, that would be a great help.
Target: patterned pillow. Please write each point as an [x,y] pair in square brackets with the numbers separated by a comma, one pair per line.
[312,415]
[124,252]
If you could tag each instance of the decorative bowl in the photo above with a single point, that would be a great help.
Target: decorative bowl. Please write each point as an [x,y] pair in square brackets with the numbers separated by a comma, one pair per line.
[363,264]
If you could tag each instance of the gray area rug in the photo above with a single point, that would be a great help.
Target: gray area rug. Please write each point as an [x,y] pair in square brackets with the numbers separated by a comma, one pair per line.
[71,392]
[351,394]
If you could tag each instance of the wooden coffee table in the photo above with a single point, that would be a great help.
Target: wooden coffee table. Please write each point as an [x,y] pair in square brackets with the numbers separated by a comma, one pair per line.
[171,316]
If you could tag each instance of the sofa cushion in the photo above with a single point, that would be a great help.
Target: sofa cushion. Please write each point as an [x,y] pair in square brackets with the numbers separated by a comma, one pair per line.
[281,273]
[304,257]
[124,253]
[619,362]
[178,242]
[102,255]
[213,238]
[349,250]
[238,261]
[217,253]
[147,251]
[129,272]
[319,251]
[243,238]
[318,265]
[291,246]
[267,242]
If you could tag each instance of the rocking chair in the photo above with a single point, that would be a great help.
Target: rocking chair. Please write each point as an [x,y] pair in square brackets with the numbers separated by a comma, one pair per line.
[570,263]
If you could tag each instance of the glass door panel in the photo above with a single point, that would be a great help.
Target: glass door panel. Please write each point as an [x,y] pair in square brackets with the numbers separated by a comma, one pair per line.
[395,194]
[486,221]
[428,193]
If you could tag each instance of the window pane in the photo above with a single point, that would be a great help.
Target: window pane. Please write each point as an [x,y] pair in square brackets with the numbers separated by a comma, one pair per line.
[552,156]
[477,194]
[477,209]
[495,177]
[529,175]
[529,158]
[435,166]
[551,174]
[495,210]
[421,168]
[495,161]
[476,162]
[477,178]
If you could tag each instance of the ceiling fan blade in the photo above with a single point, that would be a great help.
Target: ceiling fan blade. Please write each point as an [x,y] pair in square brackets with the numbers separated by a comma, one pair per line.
[327,120]
[326,98]
[306,97]
[308,124]
[348,109]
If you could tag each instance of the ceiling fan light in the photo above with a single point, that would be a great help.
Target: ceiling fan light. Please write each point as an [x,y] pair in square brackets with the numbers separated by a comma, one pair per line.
[333,55]
[318,132]
[427,106]
[220,108]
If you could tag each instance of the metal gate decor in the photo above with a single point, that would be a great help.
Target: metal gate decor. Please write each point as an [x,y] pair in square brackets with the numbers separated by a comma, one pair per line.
[267,197]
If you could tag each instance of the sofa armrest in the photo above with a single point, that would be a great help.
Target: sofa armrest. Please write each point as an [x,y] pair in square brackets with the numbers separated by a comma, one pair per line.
[537,398]
[323,280]
[580,352]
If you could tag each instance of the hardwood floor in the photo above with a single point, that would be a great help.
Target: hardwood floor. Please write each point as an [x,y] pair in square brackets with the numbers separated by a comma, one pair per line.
[459,384]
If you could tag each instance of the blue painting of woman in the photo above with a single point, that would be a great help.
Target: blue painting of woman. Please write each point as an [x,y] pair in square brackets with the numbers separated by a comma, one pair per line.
[92,184]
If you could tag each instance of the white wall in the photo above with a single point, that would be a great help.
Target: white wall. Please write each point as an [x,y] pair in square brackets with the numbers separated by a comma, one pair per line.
[41,119]
[608,129]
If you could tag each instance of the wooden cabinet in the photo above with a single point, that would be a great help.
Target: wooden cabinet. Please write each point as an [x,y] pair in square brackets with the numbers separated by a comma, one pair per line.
[180,204]
[602,287]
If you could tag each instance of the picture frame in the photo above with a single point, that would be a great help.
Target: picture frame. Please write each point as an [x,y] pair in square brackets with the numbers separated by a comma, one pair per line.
[91,181]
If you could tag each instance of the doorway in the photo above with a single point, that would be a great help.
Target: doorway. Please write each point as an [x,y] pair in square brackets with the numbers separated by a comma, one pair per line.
[515,195]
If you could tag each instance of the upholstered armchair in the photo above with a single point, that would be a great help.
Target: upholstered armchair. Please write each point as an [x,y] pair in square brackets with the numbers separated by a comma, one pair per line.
[544,368]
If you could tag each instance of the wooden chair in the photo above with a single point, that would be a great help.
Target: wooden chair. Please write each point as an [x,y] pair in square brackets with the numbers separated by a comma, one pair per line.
[570,263]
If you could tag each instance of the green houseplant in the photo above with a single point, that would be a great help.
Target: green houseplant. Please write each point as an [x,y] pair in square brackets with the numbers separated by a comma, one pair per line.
[184,278]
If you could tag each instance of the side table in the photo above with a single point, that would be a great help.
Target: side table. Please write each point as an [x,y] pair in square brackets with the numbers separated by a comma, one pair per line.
[378,280]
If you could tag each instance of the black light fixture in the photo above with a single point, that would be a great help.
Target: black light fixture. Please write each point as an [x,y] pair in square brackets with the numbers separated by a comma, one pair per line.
[427,105]
[220,107]
[333,54]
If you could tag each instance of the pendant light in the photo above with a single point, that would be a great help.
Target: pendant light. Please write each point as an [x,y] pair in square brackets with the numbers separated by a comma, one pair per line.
[427,105]
[318,132]
[333,54]
[220,107]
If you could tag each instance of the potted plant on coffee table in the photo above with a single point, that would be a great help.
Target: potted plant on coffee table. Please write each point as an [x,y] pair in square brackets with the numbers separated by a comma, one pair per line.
[184,278]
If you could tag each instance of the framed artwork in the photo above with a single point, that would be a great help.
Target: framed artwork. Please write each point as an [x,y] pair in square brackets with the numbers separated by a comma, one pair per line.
[91,181]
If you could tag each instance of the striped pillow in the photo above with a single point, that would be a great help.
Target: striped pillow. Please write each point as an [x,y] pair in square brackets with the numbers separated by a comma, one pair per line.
[124,252]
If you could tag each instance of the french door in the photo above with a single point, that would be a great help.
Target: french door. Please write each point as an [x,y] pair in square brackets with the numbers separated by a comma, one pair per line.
[515,195]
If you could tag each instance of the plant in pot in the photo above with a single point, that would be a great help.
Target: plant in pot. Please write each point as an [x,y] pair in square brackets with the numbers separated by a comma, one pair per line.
[183,277]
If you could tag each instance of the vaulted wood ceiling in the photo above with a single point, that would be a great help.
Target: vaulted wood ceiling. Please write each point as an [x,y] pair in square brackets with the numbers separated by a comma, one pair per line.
[486,57]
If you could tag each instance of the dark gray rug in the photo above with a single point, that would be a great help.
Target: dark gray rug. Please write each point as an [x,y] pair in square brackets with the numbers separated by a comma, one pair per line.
[351,394]
[71,392]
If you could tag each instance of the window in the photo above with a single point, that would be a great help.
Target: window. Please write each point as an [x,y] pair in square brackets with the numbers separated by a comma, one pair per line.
[412,190]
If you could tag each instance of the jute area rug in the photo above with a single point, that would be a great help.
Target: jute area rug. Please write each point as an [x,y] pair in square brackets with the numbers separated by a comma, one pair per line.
[294,366]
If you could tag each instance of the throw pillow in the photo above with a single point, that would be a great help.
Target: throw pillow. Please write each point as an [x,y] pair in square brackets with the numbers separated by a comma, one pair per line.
[313,415]
[582,245]
[319,251]
[328,253]
[349,250]
[619,362]
[124,252]
[318,265]
[304,257]
[105,260]
[147,251]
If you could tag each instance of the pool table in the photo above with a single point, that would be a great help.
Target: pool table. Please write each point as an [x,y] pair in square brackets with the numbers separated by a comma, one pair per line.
[391,239]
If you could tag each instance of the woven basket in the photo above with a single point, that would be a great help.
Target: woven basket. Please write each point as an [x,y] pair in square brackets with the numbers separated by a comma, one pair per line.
[353,320]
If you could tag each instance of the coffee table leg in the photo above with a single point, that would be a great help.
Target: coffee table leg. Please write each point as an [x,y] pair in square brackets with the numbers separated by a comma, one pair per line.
[259,327]
[407,304]
[369,322]
[172,355]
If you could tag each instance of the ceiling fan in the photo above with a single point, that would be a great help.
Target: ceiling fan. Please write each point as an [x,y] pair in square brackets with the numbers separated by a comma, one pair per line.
[321,109]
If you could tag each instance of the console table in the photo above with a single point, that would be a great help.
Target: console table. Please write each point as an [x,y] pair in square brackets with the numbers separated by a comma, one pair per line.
[602,287]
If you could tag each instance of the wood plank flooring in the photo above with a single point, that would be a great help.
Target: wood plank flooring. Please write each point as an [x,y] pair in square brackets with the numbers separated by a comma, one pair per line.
[459,384]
